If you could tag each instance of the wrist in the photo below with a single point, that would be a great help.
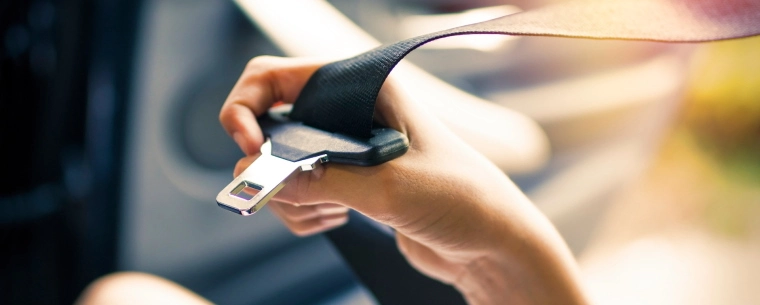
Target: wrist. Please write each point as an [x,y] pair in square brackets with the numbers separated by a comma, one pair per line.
[485,281]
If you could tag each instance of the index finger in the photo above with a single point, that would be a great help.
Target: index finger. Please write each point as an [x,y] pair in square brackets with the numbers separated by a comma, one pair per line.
[265,81]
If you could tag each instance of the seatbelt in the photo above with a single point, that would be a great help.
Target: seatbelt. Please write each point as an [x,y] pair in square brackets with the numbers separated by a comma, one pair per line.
[340,97]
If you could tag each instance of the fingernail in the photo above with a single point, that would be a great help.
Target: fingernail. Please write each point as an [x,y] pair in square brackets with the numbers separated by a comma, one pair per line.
[240,140]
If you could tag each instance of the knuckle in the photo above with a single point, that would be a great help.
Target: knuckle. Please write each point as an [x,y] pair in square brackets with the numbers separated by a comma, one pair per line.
[262,63]
[226,114]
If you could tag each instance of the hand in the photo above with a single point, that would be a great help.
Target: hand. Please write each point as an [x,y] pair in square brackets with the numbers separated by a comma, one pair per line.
[458,218]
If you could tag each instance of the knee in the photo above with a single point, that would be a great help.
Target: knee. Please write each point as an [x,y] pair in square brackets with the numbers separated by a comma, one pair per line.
[136,288]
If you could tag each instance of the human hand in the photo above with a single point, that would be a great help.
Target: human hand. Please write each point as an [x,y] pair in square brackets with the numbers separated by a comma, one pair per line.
[458,218]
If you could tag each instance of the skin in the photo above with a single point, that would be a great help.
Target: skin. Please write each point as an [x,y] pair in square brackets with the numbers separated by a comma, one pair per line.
[126,288]
[458,218]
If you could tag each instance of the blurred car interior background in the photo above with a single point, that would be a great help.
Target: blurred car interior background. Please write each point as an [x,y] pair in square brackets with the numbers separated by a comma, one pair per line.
[113,153]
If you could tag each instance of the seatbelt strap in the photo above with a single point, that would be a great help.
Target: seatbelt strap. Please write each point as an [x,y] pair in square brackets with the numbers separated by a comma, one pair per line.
[340,96]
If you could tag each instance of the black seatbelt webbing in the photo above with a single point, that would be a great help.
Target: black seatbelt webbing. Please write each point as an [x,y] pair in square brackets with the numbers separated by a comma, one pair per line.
[340,97]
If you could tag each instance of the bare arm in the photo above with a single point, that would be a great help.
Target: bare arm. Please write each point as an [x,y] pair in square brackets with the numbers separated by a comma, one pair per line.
[458,218]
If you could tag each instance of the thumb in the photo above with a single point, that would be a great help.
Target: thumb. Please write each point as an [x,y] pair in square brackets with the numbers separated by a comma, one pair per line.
[360,188]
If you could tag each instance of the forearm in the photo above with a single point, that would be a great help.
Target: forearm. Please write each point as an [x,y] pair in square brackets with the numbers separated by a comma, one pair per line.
[536,268]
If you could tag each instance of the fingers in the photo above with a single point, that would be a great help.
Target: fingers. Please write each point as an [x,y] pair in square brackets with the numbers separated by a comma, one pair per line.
[352,186]
[265,81]
[302,219]
[370,190]
[243,163]
[310,219]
